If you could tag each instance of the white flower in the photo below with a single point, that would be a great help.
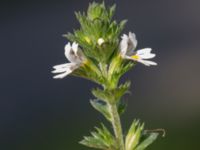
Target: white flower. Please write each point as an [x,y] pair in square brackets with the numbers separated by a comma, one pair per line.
[127,50]
[128,44]
[75,56]
[100,41]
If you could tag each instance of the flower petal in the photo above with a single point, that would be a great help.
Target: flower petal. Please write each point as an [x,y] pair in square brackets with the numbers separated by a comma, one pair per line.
[73,53]
[60,70]
[61,66]
[62,75]
[67,49]
[69,68]
[144,51]
[139,59]
[133,39]
[147,62]
[75,47]
[128,44]
[147,56]
[124,45]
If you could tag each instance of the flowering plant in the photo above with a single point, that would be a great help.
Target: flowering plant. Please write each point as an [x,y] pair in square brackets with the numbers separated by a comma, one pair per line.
[98,55]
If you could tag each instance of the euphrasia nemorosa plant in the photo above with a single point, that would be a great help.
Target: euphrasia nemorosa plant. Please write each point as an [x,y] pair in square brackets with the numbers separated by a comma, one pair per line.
[99,54]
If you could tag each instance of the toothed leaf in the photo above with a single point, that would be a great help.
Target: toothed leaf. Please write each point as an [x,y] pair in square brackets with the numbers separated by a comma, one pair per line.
[101,107]
[149,139]
[101,138]
[133,136]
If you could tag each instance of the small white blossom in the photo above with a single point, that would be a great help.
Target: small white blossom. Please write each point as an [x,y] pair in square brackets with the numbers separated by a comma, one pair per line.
[100,41]
[75,56]
[127,50]
[128,44]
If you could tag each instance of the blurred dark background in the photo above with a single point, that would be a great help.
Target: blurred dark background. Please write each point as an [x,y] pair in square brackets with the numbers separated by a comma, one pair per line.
[38,112]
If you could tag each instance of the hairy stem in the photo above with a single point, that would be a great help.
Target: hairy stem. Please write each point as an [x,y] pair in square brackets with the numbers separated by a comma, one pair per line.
[116,123]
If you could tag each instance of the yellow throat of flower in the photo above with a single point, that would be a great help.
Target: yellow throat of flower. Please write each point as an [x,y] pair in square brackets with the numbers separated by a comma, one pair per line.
[135,57]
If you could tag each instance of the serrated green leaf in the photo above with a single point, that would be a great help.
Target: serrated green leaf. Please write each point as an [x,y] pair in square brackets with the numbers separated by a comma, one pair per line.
[100,139]
[133,136]
[112,95]
[100,94]
[102,108]
[121,90]
[147,141]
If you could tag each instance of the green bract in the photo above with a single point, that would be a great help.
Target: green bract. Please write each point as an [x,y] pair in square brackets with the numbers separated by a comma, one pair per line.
[97,55]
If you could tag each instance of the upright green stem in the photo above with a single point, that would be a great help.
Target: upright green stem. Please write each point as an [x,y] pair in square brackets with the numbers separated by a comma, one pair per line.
[116,123]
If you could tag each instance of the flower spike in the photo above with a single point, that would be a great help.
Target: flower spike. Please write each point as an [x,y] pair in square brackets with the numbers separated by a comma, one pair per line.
[104,59]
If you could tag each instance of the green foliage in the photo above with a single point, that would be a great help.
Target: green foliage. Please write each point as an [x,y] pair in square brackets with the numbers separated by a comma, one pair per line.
[137,138]
[117,68]
[97,23]
[100,139]
[111,95]
[102,107]
[89,71]
[147,139]
[99,11]
[133,136]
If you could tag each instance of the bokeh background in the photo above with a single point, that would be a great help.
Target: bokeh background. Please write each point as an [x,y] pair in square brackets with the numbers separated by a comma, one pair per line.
[38,112]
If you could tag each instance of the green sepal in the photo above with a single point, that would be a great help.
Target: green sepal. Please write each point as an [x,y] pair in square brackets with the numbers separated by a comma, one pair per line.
[101,138]
[147,139]
[102,107]
[134,135]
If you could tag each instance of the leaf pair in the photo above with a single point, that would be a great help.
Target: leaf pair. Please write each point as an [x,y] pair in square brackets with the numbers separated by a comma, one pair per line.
[111,95]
